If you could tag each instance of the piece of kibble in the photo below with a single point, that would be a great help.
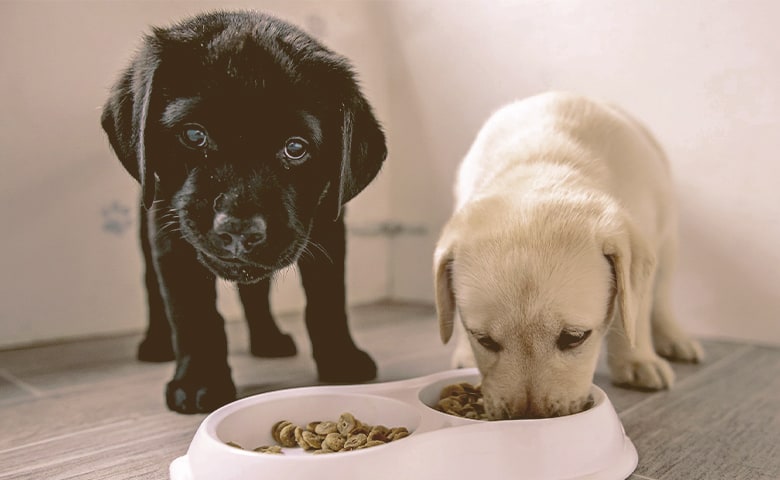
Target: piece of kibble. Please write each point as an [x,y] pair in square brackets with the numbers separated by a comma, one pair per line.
[347,423]
[397,433]
[469,388]
[287,435]
[379,433]
[324,428]
[298,432]
[451,391]
[334,442]
[308,440]
[313,440]
[323,450]
[462,400]
[346,434]
[276,449]
[354,441]
[371,443]
[276,430]
[449,403]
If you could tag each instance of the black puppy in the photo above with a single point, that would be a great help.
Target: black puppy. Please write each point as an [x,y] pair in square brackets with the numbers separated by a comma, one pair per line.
[247,137]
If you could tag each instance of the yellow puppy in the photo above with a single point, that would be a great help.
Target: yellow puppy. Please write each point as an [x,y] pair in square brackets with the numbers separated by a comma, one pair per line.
[564,219]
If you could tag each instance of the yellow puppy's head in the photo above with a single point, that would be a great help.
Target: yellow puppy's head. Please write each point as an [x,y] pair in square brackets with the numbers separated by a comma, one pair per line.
[534,286]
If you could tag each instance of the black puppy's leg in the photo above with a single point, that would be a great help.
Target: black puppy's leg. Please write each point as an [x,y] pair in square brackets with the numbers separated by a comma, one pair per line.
[157,345]
[202,381]
[337,357]
[265,338]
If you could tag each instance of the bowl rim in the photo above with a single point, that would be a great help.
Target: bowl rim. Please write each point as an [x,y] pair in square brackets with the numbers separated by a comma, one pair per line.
[430,429]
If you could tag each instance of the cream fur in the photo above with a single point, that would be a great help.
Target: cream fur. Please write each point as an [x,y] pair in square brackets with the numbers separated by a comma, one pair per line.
[564,218]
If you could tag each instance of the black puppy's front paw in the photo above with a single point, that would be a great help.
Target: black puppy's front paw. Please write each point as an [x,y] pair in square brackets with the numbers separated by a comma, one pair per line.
[199,397]
[346,366]
[155,350]
[275,346]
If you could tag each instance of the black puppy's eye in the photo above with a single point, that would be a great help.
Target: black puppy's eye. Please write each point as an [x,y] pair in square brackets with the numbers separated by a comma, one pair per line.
[488,343]
[572,338]
[295,149]
[194,136]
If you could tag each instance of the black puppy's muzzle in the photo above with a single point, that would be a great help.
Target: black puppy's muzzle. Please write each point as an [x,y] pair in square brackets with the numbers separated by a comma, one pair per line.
[237,236]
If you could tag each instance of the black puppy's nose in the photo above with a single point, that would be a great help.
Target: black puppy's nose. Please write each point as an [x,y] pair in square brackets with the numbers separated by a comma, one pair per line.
[238,235]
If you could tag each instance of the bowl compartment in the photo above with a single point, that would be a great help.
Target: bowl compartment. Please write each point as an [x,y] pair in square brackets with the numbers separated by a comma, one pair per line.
[429,396]
[251,426]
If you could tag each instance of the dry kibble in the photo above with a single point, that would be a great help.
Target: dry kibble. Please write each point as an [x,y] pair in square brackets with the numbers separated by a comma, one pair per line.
[451,391]
[470,413]
[324,428]
[449,403]
[469,388]
[313,440]
[462,400]
[307,440]
[334,441]
[277,449]
[398,433]
[354,441]
[371,443]
[287,436]
[345,434]
[277,429]
[362,428]
[347,423]
[379,433]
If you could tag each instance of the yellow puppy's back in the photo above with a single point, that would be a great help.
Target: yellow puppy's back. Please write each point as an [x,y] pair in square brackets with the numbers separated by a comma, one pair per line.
[568,141]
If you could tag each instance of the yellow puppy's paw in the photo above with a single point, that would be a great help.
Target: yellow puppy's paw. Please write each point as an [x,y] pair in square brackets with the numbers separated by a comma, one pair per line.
[678,347]
[642,372]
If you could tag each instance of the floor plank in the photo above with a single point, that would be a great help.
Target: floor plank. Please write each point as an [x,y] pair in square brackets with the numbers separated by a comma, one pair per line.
[723,423]
[12,389]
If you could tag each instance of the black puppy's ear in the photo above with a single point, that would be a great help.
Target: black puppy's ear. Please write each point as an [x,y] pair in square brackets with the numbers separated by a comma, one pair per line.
[363,150]
[125,117]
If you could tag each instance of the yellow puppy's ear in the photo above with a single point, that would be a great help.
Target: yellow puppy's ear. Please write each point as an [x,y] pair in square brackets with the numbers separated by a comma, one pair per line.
[443,260]
[633,263]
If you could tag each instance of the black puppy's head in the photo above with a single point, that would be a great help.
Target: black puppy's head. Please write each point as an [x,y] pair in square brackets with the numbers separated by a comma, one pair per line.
[246,129]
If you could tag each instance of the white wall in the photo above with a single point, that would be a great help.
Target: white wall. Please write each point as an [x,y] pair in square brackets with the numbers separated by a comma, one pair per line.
[703,75]
[63,271]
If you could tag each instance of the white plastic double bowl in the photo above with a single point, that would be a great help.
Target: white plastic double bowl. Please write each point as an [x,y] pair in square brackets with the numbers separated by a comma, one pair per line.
[588,445]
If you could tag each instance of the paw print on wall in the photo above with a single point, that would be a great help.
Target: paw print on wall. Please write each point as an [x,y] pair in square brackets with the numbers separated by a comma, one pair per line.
[116,218]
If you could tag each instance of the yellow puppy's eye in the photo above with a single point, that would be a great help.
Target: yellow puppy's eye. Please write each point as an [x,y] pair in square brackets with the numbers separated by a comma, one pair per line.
[488,343]
[572,338]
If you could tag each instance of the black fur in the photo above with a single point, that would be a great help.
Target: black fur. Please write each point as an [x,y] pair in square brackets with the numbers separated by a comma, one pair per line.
[201,118]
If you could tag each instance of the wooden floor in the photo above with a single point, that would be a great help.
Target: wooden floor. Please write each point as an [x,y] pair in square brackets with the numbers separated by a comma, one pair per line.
[88,410]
